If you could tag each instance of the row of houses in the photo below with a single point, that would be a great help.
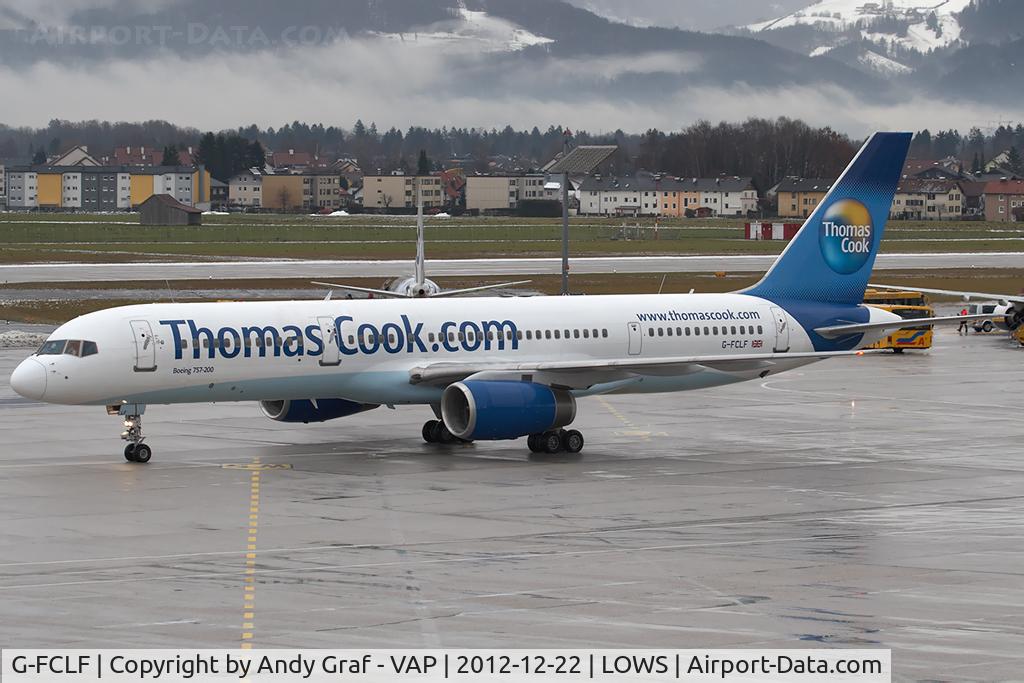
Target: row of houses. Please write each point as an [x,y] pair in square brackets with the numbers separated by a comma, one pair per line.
[642,195]
[998,199]
[298,181]
[102,188]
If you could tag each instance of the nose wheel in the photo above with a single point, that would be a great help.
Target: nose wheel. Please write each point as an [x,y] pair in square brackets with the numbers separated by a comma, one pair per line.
[140,453]
[135,451]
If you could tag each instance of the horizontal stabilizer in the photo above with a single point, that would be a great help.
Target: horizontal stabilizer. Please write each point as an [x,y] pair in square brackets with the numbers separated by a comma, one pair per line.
[362,290]
[444,293]
[482,288]
[966,296]
[835,331]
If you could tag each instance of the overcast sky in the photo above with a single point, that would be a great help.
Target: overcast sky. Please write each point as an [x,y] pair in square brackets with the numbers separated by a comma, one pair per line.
[395,83]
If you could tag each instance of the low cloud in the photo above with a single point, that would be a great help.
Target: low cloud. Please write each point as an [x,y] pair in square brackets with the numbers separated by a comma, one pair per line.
[396,84]
[60,12]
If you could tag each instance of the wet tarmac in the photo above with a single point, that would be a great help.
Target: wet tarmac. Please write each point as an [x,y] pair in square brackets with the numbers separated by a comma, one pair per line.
[863,502]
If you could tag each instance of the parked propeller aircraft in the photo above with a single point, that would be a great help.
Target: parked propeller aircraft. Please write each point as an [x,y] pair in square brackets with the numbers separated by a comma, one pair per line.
[490,368]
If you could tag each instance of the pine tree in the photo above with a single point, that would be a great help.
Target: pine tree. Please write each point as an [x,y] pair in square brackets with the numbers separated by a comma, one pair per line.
[171,157]
[423,165]
[976,164]
[1014,161]
[40,157]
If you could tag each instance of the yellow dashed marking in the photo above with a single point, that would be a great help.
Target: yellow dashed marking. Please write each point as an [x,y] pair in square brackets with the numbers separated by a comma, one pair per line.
[255,466]
[622,418]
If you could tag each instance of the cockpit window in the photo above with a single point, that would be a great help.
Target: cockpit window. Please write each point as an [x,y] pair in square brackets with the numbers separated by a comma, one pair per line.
[52,348]
[74,347]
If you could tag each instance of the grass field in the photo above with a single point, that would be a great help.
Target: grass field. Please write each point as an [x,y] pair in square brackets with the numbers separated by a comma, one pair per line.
[27,238]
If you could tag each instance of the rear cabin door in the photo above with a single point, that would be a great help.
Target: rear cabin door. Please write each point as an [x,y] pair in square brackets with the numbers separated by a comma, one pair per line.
[145,346]
[636,339]
[781,330]
[332,345]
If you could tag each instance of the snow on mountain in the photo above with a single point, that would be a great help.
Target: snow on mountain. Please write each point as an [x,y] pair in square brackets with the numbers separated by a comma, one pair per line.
[472,31]
[872,61]
[907,24]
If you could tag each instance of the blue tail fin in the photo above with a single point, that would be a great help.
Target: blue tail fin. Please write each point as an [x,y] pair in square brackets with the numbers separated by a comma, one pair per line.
[831,258]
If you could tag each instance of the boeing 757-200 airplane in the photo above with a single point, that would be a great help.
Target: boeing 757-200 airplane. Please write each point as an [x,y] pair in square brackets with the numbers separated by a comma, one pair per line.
[490,368]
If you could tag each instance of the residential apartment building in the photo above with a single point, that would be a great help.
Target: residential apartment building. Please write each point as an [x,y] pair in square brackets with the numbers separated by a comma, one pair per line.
[103,188]
[327,192]
[609,196]
[246,189]
[22,188]
[287,192]
[492,193]
[927,199]
[798,197]
[1003,200]
[505,192]
[401,191]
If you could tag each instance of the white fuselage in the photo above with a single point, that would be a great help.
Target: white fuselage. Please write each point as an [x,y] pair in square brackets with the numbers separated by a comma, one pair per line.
[206,352]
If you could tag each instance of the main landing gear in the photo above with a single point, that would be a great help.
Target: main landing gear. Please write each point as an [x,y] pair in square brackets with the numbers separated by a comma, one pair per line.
[135,451]
[555,441]
[434,431]
[559,441]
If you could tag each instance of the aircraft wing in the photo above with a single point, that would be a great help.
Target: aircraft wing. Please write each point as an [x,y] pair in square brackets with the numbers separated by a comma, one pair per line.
[482,288]
[966,296]
[586,373]
[833,331]
[362,290]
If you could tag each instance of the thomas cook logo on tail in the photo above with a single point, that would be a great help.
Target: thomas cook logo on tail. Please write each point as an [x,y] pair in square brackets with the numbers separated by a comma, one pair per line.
[846,236]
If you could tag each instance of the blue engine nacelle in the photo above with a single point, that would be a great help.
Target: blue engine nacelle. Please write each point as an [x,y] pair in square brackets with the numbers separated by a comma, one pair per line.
[318,410]
[494,410]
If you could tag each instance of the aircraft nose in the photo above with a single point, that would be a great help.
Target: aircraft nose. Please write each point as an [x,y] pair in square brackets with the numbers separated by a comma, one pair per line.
[29,379]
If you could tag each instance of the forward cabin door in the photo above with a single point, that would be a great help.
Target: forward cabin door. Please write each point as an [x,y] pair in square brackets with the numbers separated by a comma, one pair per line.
[145,346]
[332,345]
[636,339]
[781,330]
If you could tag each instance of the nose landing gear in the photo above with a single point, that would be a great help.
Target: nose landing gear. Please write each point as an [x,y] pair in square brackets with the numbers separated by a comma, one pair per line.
[135,451]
